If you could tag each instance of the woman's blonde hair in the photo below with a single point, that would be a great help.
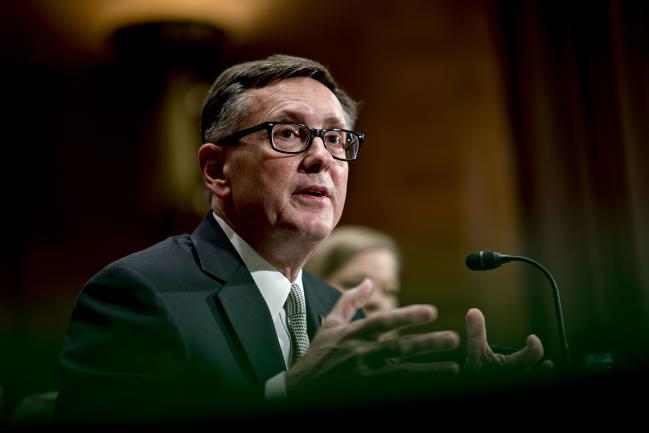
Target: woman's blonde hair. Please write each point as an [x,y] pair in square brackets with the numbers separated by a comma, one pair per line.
[344,243]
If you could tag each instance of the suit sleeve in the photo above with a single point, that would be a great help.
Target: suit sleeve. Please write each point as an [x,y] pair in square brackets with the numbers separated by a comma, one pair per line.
[123,356]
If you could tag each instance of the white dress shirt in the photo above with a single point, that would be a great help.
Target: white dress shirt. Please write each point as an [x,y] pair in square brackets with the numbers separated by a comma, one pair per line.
[274,288]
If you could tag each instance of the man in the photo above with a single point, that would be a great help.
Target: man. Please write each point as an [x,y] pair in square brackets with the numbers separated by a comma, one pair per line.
[197,323]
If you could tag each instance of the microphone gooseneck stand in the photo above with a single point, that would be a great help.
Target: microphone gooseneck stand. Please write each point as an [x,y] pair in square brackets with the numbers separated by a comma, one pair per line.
[485,260]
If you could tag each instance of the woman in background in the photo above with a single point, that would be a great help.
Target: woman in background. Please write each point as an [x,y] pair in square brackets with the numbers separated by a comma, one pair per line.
[353,253]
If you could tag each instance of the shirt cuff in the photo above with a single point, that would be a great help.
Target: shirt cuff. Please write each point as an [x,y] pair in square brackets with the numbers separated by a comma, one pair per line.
[275,387]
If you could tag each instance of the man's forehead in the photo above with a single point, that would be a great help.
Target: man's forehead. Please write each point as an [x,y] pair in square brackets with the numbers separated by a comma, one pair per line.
[296,87]
[295,97]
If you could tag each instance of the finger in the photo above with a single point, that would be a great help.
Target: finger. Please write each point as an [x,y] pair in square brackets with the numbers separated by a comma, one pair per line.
[445,368]
[385,321]
[546,365]
[476,334]
[349,303]
[545,368]
[475,326]
[399,350]
[417,344]
[527,356]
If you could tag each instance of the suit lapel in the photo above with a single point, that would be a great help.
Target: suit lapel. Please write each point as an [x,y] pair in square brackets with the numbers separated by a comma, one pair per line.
[244,306]
[248,313]
[216,255]
[320,299]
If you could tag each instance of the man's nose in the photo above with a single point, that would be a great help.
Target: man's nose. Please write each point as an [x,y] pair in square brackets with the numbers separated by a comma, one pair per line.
[317,155]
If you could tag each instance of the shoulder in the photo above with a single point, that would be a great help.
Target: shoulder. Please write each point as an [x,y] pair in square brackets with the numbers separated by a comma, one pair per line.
[164,261]
[173,248]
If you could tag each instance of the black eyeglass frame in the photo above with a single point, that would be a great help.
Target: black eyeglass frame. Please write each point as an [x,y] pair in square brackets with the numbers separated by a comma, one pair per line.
[313,132]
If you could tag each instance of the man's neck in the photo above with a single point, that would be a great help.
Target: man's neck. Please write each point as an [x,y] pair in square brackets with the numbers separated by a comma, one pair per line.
[288,257]
[284,251]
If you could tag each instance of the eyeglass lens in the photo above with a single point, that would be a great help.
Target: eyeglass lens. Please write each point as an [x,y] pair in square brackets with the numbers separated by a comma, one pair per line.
[295,138]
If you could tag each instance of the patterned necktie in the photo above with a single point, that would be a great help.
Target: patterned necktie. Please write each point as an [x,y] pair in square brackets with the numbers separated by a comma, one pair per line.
[296,315]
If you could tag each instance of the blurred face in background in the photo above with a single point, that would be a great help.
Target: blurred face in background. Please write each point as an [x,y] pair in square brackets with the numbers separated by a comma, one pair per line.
[379,265]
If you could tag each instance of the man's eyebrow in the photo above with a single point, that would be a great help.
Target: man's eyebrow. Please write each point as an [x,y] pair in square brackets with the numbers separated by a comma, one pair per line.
[334,120]
[287,114]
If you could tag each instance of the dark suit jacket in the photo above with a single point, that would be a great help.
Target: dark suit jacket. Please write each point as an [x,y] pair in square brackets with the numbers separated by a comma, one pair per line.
[178,328]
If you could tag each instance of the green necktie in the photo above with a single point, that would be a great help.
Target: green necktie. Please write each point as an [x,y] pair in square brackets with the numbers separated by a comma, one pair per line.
[296,315]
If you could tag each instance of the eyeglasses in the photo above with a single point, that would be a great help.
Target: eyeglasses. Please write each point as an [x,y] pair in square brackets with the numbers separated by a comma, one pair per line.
[287,137]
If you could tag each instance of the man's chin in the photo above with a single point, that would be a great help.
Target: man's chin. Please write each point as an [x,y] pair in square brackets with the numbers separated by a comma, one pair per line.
[314,231]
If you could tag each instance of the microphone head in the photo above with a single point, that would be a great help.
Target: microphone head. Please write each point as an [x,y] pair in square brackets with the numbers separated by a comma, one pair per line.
[483,260]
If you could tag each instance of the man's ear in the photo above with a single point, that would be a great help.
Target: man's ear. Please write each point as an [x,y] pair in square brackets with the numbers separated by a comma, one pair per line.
[211,159]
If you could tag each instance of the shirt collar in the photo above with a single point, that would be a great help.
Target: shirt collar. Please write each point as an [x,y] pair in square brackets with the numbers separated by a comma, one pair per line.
[273,285]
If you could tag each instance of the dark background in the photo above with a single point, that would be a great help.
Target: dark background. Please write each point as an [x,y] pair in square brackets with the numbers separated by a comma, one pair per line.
[517,126]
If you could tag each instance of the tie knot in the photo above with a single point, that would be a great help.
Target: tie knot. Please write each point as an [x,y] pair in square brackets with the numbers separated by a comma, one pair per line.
[295,301]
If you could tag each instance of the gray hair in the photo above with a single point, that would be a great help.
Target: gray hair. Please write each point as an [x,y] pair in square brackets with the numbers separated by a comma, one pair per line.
[226,104]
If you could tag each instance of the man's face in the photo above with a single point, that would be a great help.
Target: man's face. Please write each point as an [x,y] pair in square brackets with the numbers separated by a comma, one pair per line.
[276,194]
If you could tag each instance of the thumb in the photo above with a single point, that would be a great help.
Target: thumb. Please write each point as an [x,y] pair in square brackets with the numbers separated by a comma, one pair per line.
[349,303]
[476,334]
[529,355]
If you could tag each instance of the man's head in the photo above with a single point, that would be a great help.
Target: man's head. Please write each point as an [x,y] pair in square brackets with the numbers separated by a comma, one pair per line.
[225,105]
[283,204]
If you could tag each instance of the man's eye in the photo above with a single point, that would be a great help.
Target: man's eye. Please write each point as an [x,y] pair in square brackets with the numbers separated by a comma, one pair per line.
[286,133]
[333,138]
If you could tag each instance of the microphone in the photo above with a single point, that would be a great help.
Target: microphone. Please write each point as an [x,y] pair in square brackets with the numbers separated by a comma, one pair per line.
[486,260]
